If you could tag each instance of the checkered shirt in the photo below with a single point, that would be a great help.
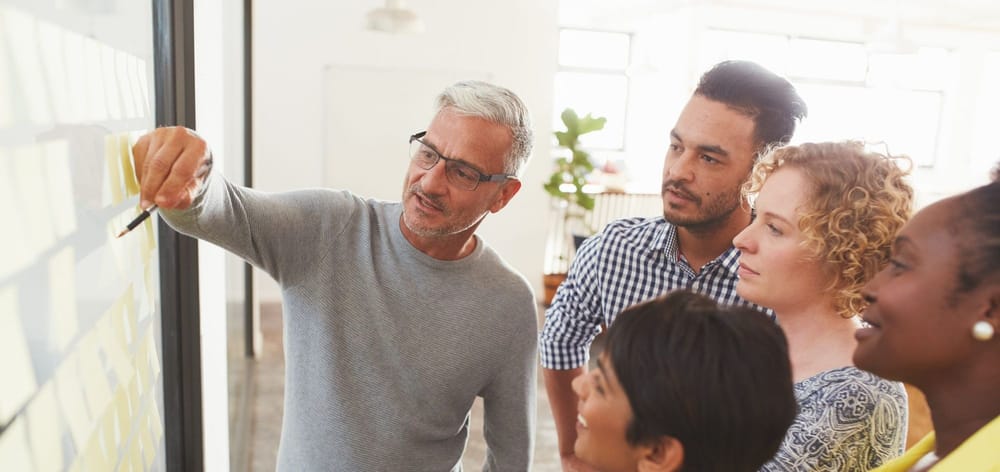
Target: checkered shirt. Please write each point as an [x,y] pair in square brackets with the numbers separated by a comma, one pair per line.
[632,260]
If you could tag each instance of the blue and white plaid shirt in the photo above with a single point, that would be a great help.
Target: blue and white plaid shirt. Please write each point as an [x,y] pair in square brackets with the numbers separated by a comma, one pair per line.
[632,260]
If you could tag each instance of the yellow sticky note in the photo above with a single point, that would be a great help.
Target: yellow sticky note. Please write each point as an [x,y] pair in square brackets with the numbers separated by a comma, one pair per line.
[45,432]
[109,433]
[128,170]
[148,450]
[147,241]
[110,82]
[135,456]
[95,379]
[50,42]
[123,249]
[97,107]
[155,422]
[93,455]
[32,196]
[152,358]
[6,113]
[143,75]
[150,289]
[15,249]
[121,72]
[113,181]
[133,72]
[141,363]
[21,41]
[75,68]
[130,317]
[62,299]
[19,381]
[58,169]
[133,395]
[69,392]
[113,346]
[122,412]
[14,448]
[122,326]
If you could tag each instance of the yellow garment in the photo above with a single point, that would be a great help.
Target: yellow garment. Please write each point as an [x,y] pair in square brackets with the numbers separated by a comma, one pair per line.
[979,453]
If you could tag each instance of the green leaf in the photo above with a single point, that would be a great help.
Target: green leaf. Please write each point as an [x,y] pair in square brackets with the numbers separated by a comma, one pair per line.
[581,160]
[585,200]
[588,124]
[571,120]
[566,140]
[574,169]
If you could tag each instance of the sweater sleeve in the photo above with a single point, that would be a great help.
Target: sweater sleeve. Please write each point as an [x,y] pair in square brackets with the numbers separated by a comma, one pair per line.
[509,400]
[276,232]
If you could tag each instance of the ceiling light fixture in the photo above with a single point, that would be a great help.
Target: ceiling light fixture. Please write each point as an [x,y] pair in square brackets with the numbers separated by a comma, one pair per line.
[394,17]
[890,39]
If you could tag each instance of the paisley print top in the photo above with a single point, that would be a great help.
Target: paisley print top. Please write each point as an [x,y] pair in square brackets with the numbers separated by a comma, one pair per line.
[849,420]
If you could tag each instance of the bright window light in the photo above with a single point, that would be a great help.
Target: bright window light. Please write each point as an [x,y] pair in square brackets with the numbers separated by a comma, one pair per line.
[852,93]
[592,79]
[827,60]
[907,121]
[984,146]
[768,50]
[929,69]
[593,49]
[598,94]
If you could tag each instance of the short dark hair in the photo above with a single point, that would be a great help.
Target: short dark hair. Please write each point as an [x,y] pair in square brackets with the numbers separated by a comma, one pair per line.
[977,228]
[769,99]
[718,379]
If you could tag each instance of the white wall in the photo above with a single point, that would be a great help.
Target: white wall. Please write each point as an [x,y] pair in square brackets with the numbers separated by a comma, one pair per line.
[513,42]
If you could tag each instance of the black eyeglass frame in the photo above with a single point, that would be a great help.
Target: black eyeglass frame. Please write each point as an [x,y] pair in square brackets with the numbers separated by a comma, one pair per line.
[483,177]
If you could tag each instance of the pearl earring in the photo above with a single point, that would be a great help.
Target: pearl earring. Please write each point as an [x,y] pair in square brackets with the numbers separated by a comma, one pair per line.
[982,331]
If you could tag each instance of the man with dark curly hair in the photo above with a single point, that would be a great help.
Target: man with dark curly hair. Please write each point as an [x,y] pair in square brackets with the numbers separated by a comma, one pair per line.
[738,109]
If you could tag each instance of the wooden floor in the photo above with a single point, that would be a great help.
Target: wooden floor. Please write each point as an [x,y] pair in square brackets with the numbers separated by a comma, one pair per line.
[266,393]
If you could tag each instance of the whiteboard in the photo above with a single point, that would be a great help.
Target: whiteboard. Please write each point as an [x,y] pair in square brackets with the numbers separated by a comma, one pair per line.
[79,308]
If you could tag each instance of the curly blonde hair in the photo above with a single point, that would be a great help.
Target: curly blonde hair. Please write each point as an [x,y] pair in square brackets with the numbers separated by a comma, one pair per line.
[857,202]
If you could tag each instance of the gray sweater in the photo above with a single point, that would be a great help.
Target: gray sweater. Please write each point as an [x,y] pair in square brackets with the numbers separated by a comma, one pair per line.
[385,347]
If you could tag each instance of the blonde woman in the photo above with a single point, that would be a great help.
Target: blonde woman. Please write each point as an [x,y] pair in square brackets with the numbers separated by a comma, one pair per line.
[826,215]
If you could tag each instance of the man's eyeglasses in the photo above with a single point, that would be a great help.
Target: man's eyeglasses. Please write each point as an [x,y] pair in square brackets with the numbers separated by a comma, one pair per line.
[460,174]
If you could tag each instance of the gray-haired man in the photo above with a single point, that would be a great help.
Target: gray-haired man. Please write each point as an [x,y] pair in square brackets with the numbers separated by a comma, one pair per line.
[396,315]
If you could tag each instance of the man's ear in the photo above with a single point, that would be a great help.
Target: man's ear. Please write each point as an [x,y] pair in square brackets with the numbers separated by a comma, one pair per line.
[507,192]
[664,455]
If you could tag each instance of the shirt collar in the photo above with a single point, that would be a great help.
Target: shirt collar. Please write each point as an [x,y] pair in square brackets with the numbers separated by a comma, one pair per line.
[665,240]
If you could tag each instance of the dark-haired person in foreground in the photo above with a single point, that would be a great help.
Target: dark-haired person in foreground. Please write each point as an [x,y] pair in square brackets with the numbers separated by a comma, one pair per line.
[738,109]
[686,384]
[934,317]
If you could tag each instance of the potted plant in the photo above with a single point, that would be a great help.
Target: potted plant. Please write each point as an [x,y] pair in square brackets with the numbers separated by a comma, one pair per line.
[565,185]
